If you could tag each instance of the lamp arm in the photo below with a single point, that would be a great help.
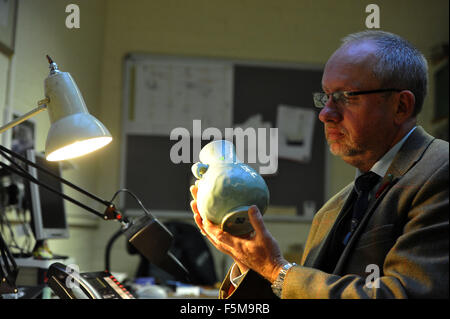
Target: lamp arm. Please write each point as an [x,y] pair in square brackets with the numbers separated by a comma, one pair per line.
[110,212]
[32,179]
[64,181]
[42,105]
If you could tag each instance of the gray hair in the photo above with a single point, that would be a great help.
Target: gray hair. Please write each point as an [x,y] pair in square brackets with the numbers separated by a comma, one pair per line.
[400,65]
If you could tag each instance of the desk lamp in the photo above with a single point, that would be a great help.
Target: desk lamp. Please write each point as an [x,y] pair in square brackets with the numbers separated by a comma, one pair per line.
[73,133]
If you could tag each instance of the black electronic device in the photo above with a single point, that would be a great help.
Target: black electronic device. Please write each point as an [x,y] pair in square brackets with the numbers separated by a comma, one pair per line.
[153,240]
[67,283]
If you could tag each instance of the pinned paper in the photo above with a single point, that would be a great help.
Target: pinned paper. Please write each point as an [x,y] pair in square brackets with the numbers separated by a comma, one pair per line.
[295,131]
[259,152]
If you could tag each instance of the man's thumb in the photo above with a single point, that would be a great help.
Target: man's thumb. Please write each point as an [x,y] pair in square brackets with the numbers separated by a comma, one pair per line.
[256,219]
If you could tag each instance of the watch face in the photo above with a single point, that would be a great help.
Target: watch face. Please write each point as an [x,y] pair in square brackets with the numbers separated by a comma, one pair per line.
[289,265]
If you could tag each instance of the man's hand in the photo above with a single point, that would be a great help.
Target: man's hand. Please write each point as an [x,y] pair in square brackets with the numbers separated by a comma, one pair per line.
[258,250]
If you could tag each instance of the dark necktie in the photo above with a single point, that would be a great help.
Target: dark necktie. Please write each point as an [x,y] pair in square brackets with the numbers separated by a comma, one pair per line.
[363,185]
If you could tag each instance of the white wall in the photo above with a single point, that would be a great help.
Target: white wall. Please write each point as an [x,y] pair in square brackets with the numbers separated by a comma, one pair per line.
[41,30]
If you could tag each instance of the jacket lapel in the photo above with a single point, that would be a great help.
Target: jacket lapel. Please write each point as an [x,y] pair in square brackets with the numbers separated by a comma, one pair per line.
[372,205]
[318,254]
[411,152]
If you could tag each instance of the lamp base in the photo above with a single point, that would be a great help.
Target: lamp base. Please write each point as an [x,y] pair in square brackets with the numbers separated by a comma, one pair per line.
[153,240]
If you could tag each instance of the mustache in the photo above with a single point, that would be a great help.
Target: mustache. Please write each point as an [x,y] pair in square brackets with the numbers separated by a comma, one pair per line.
[334,128]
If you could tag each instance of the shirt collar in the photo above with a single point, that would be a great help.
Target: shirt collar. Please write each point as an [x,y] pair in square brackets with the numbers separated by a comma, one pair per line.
[381,166]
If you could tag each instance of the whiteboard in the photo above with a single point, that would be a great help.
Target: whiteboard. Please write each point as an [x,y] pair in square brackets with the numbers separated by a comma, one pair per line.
[168,93]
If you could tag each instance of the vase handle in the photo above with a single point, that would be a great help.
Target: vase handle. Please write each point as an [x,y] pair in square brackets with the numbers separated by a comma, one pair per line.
[198,169]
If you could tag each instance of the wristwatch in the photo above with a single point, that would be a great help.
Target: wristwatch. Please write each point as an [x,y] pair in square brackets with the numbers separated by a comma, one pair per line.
[278,283]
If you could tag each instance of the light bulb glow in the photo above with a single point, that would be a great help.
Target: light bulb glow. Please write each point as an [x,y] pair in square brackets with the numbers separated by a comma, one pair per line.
[78,148]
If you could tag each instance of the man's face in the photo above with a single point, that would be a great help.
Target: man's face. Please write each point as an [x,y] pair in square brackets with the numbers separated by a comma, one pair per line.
[361,130]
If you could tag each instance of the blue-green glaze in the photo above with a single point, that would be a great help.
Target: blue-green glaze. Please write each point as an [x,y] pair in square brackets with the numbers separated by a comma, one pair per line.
[226,190]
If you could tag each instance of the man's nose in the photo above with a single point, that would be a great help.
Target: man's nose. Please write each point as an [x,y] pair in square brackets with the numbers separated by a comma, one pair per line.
[330,112]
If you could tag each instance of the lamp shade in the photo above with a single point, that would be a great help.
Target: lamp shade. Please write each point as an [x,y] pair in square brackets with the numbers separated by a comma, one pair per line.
[73,131]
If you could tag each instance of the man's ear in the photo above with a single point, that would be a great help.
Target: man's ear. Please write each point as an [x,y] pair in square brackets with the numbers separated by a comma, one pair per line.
[405,106]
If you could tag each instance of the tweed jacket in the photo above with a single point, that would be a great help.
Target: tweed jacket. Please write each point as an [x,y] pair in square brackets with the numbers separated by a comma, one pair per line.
[399,250]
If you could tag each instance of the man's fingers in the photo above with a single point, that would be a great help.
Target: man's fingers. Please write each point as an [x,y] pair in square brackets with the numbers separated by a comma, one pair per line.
[222,240]
[214,234]
[197,218]
[211,232]
[194,190]
[194,207]
[202,224]
[218,235]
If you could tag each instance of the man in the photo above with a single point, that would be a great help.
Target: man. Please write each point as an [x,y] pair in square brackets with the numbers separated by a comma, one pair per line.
[389,240]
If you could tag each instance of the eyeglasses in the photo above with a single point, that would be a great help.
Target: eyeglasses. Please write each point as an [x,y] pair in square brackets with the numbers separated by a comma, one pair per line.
[341,98]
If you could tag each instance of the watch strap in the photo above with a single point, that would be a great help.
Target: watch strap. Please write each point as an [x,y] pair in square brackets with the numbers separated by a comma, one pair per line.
[277,285]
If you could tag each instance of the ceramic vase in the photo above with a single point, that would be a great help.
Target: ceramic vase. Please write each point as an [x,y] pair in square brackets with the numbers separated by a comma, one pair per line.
[227,188]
